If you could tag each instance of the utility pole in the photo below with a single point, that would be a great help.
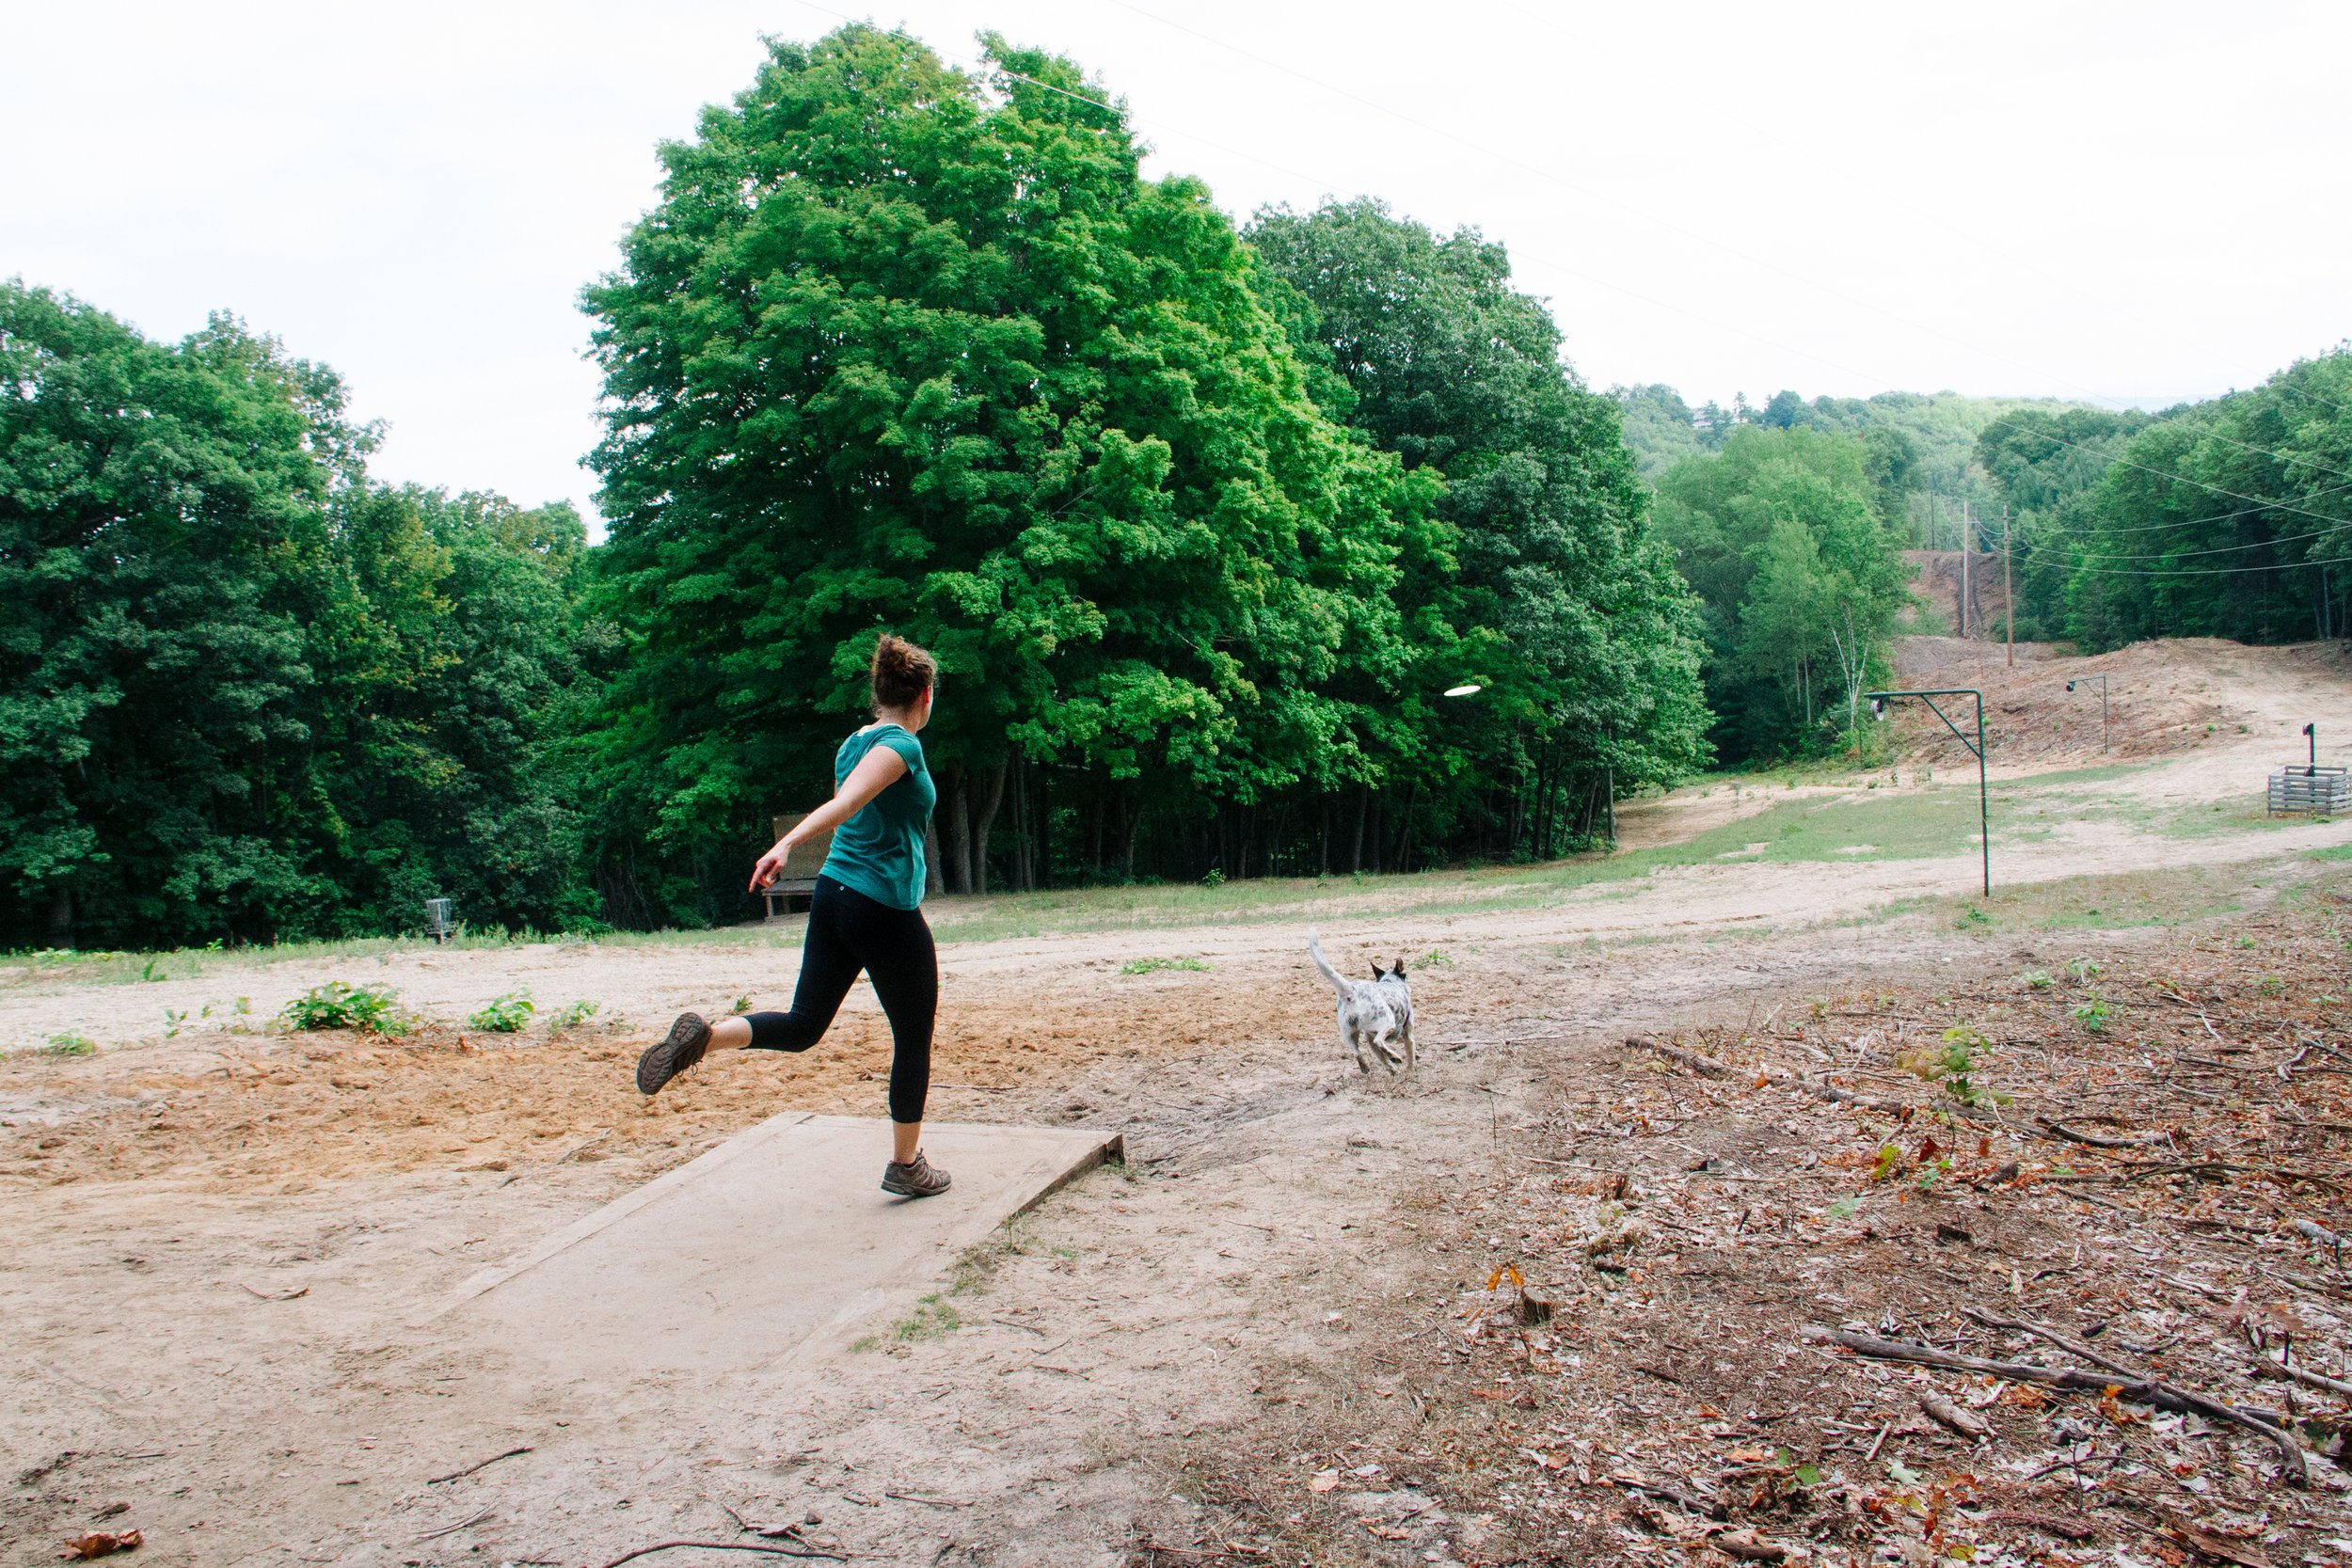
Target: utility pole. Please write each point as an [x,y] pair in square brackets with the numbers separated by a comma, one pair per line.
[2009,594]
[1965,595]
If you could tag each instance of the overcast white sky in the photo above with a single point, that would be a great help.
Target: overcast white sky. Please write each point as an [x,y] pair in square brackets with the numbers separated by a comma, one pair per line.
[2132,200]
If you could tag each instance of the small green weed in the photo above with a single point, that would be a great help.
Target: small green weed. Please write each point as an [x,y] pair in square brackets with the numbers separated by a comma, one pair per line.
[505,1016]
[863,1343]
[1153,966]
[1439,959]
[2093,1015]
[2270,985]
[337,1006]
[68,1043]
[1971,918]
[1844,1208]
[570,1017]
[2035,979]
[743,1005]
[1215,877]
[2083,969]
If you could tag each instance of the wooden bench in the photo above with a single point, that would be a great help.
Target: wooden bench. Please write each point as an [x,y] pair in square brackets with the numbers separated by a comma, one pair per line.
[798,880]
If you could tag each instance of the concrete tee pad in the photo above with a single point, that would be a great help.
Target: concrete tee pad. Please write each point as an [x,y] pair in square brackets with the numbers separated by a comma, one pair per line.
[759,1246]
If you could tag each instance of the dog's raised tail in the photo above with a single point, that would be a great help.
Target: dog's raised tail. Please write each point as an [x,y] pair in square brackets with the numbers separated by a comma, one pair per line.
[1314,951]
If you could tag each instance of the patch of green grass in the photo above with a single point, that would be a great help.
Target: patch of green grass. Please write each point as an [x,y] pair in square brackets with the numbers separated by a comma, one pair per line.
[2333,852]
[1910,824]
[505,1016]
[374,1009]
[2171,896]
[1153,966]
[932,1319]
[68,1043]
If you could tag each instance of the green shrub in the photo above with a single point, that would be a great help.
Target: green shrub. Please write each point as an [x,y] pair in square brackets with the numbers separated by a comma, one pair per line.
[68,1043]
[2093,1014]
[336,1006]
[506,1015]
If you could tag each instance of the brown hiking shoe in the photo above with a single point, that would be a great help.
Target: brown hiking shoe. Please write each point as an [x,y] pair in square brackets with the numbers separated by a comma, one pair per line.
[917,1178]
[672,1053]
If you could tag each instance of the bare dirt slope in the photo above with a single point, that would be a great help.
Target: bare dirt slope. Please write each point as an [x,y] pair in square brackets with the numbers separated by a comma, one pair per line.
[1251,1345]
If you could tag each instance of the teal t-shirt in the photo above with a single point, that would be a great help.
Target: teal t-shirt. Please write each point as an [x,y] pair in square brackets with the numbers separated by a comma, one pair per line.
[880,850]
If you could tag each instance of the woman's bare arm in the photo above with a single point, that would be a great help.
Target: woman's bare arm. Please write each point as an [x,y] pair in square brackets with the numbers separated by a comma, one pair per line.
[875,772]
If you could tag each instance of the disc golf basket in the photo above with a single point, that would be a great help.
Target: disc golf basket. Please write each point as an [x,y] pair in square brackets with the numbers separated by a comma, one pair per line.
[798,880]
[2310,789]
[437,923]
[2315,791]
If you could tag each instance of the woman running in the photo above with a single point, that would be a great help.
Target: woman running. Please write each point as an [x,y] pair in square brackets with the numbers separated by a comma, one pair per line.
[867,914]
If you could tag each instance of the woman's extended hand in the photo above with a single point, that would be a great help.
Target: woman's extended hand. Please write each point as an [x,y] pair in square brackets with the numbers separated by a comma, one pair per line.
[771,864]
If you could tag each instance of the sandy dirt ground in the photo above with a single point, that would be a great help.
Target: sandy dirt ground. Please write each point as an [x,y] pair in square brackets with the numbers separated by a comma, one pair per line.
[1250,1343]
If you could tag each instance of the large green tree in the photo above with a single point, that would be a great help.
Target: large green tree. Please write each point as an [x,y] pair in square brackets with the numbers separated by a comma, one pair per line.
[1802,580]
[1554,593]
[905,348]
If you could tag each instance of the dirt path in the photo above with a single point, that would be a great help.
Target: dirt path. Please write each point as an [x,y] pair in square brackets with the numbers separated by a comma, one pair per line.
[215,1243]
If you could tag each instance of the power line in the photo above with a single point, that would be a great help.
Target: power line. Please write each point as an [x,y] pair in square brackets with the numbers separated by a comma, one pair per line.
[2211,571]
[2258,501]
[2219,549]
[2216,517]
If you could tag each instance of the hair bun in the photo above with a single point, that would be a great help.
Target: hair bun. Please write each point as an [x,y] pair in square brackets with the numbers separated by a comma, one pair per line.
[901,671]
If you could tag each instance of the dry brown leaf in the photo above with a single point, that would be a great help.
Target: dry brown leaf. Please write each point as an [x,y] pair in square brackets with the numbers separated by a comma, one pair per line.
[100,1543]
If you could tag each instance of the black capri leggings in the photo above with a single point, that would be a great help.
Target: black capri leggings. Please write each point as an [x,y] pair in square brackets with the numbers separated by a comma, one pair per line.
[847,932]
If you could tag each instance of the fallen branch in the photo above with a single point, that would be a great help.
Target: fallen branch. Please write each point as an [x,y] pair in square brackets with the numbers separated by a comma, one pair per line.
[2043,1331]
[1706,1067]
[2060,1130]
[296,1294]
[1965,1422]
[453,1529]
[1698,1505]
[2048,1523]
[723,1547]
[2308,1379]
[455,1475]
[2139,1390]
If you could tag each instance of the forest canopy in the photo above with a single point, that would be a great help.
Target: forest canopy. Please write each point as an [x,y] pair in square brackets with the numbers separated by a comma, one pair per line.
[1204,521]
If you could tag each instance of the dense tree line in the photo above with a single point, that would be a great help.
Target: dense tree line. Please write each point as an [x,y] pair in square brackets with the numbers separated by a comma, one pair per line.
[244,691]
[2231,517]
[1919,449]
[1201,526]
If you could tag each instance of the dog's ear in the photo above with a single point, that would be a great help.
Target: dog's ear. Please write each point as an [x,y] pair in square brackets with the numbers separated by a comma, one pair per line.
[1375,969]
[1400,963]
